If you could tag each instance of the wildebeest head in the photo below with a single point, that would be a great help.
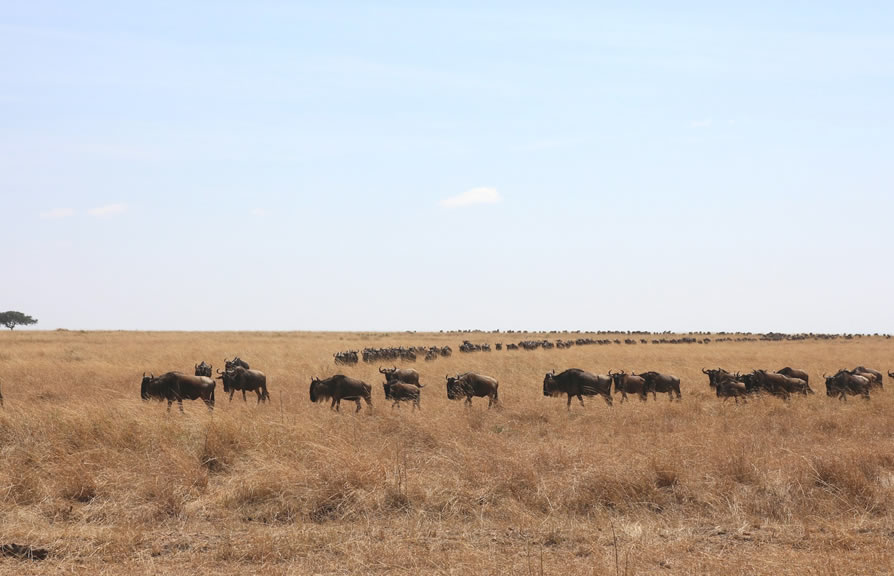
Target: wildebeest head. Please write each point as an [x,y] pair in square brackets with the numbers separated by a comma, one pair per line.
[317,390]
[617,378]
[454,388]
[203,369]
[549,382]
[225,378]
[388,372]
[144,385]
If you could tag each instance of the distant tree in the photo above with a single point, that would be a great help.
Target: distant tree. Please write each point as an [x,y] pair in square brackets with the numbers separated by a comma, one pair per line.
[12,319]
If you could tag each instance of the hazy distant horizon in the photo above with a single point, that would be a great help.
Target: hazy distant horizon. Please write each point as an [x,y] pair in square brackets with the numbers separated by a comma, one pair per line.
[347,166]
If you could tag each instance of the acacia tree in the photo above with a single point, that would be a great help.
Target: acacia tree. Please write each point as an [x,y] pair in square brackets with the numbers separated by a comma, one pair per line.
[11,319]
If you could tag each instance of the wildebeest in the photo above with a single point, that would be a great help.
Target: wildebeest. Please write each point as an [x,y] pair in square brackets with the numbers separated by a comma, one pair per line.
[657,382]
[625,383]
[338,388]
[470,384]
[203,369]
[844,383]
[237,361]
[401,392]
[577,382]
[1,393]
[795,373]
[177,386]
[716,375]
[874,376]
[779,384]
[890,374]
[729,387]
[238,378]
[405,375]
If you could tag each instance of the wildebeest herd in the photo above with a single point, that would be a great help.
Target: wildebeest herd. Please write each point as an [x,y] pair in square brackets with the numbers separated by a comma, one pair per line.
[403,385]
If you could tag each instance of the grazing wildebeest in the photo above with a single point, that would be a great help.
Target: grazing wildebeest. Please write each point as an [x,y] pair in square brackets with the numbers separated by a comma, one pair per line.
[657,382]
[843,382]
[177,386]
[237,361]
[1,393]
[577,382]
[405,375]
[401,392]
[338,388]
[874,376]
[238,378]
[795,373]
[203,369]
[470,384]
[625,383]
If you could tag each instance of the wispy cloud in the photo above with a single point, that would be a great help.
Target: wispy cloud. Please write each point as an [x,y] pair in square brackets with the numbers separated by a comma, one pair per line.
[706,123]
[107,210]
[472,197]
[56,214]
[259,212]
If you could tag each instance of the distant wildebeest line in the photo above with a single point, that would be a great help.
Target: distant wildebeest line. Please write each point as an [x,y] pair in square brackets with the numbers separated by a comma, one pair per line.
[176,386]
[338,388]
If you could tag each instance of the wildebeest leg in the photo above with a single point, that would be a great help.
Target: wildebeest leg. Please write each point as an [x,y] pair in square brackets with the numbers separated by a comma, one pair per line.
[180,404]
[358,405]
[490,401]
[579,397]
[232,391]
[395,404]
[169,404]
[416,404]
[243,395]
[331,406]
[608,399]
[623,396]
[369,403]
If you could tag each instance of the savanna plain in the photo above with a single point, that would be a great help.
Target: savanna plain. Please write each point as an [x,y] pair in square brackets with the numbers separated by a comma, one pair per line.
[110,484]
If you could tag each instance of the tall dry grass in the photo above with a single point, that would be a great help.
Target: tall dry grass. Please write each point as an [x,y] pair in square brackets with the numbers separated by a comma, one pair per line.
[112,484]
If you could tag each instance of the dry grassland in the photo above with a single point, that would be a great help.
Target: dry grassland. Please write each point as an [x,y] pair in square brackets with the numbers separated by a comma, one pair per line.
[110,484]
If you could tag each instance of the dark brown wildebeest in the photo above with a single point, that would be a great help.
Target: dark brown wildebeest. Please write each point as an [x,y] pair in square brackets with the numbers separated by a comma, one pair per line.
[874,376]
[238,378]
[177,386]
[401,392]
[795,373]
[729,387]
[657,382]
[779,384]
[405,375]
[203,369]
[1,392]
[338,388]
[577,382]
[844,383]
[236,361]
[716,375]
[625,383]
[469,384]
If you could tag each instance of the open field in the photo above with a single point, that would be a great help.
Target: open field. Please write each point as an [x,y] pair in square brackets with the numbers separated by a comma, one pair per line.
[110,484]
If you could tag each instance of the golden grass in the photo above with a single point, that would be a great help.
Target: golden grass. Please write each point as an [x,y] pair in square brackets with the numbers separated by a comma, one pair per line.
[111,484]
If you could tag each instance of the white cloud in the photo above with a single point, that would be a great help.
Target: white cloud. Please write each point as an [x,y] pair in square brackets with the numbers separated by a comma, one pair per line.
[706,123]
[56,214]
[473,196]
[259,212]
[107,210]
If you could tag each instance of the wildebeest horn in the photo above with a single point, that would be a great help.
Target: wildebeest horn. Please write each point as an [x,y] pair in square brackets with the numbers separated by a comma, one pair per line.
[704,371]
[144,374]
[218,371]
[152,375]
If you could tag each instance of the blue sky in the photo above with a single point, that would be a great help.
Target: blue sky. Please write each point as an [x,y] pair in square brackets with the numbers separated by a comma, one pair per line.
[391,166]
